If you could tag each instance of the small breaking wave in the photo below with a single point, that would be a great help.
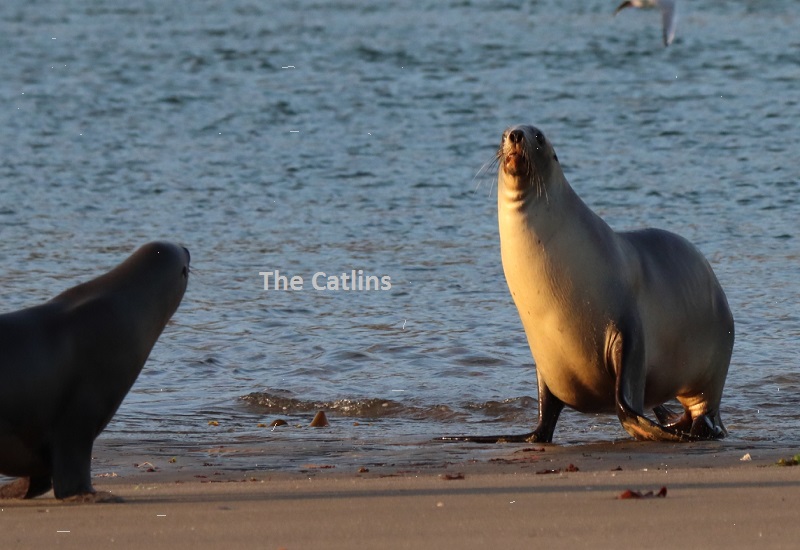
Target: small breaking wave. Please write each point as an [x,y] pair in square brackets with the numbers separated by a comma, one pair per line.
[369,408]
[284,402]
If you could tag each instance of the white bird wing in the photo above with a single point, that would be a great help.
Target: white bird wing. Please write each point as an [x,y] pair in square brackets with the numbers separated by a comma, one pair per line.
[669,19]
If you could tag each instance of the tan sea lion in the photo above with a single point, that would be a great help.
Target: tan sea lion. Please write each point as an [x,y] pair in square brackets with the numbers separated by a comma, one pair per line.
[616,321]
[66,365]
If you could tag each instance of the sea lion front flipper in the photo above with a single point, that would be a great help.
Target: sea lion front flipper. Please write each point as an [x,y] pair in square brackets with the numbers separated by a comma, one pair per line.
[550,408]
[95,497]
[625,357]
[72,459]
[506,438]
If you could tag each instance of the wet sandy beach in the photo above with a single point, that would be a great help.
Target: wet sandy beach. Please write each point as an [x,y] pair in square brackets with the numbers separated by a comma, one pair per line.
[425,495]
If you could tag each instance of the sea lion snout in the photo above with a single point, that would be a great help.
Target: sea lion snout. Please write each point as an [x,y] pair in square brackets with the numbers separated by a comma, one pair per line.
[513,154]
[513,140]
[188,261]
[516,136]
[164,251]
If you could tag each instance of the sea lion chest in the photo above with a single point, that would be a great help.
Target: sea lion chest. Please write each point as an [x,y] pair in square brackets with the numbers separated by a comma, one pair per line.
[559,271]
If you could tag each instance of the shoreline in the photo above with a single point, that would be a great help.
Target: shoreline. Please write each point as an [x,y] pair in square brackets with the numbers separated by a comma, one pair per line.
[428,495]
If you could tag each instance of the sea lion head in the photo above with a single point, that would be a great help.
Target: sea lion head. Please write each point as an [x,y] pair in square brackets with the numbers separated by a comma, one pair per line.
[527,161]
[167,266]
[154,278]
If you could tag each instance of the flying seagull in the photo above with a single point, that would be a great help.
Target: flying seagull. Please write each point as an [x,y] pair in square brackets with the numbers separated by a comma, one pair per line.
[669,15]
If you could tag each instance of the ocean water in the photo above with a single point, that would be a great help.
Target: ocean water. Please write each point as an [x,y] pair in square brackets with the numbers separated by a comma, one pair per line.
[330,137]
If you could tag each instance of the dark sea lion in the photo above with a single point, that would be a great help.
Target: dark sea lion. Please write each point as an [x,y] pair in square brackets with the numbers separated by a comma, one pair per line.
[616,321]
[66,365]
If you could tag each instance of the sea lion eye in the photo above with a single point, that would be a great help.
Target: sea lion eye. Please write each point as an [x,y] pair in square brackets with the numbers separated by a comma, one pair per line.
[540,139]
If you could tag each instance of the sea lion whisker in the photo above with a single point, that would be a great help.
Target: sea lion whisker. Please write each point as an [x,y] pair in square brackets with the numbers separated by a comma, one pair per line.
[541,187]
[484,169]
[488,165]
[535,178]
[201,279]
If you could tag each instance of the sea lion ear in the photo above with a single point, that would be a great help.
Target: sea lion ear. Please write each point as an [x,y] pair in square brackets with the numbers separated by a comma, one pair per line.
[555,157]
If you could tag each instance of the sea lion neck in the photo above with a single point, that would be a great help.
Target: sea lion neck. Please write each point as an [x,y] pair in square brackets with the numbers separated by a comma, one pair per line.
[530,193]
[535,211]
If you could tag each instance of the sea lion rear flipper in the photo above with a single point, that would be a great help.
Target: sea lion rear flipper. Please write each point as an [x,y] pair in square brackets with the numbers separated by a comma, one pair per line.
[626,360]
[708,426]
[16,489]
[39,485]
[26,487]
[681,422]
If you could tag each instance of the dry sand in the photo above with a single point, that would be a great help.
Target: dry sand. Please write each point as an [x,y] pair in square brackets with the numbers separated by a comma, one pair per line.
[426,495]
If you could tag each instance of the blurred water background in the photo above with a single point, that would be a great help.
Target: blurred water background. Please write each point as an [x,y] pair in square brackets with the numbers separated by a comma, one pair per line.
[311,136]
